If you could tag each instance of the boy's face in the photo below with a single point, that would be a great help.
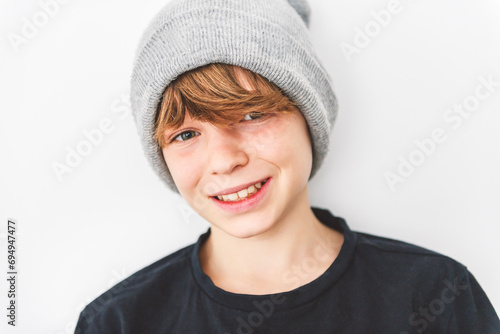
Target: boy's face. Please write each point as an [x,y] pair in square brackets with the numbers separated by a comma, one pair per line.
[205,160]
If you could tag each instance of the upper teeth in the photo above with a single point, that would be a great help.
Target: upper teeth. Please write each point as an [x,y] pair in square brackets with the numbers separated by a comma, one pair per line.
[244,193]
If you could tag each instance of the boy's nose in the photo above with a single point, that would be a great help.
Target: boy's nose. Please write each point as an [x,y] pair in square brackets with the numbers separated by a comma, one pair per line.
[226,152]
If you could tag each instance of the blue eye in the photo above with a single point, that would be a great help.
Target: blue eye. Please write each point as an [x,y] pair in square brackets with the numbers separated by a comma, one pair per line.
[253,115]
[186,135]
[189,134]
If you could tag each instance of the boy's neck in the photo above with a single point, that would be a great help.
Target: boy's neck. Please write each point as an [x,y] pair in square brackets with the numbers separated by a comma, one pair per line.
[303,249]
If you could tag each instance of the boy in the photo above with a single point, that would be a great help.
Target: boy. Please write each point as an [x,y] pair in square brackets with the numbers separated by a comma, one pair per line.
[234,111]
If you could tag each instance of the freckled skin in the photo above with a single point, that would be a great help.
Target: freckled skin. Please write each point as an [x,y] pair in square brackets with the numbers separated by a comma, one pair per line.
[216,159]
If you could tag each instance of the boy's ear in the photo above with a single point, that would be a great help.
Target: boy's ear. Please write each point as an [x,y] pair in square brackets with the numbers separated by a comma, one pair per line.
[302,8]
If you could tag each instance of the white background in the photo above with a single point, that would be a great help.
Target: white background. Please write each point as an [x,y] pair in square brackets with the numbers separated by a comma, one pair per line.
[110,216]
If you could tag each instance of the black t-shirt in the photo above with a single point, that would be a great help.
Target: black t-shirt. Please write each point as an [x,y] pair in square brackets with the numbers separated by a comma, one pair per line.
[375,285]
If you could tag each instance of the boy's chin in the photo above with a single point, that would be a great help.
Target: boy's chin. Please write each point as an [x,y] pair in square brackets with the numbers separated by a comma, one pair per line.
[245,228]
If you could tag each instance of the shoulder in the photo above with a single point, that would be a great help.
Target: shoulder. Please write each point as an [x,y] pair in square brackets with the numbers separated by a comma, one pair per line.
[395,248]
[432,284]
[405,260]
[162,277]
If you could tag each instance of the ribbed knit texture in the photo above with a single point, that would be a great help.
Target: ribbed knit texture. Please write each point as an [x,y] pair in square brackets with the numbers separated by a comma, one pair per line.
[268,37]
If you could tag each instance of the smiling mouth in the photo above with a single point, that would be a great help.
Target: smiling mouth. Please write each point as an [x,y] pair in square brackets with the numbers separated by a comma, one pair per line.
[242,194]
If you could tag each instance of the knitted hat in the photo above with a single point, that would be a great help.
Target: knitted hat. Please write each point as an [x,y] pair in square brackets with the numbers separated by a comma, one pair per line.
[268,37]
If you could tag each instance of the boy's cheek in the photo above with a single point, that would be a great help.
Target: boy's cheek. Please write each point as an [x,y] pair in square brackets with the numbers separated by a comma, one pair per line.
[183,171]
[268,138]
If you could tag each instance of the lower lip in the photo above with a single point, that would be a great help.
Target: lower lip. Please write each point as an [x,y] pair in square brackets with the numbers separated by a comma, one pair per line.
[245,204]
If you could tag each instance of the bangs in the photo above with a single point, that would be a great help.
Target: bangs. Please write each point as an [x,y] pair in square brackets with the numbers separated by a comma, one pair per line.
[214,93]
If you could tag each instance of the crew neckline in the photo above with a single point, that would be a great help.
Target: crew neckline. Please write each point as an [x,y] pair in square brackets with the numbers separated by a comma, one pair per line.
[289,299]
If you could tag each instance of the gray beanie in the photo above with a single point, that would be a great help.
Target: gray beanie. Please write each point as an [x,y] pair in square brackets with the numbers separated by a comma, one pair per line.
[268,37]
